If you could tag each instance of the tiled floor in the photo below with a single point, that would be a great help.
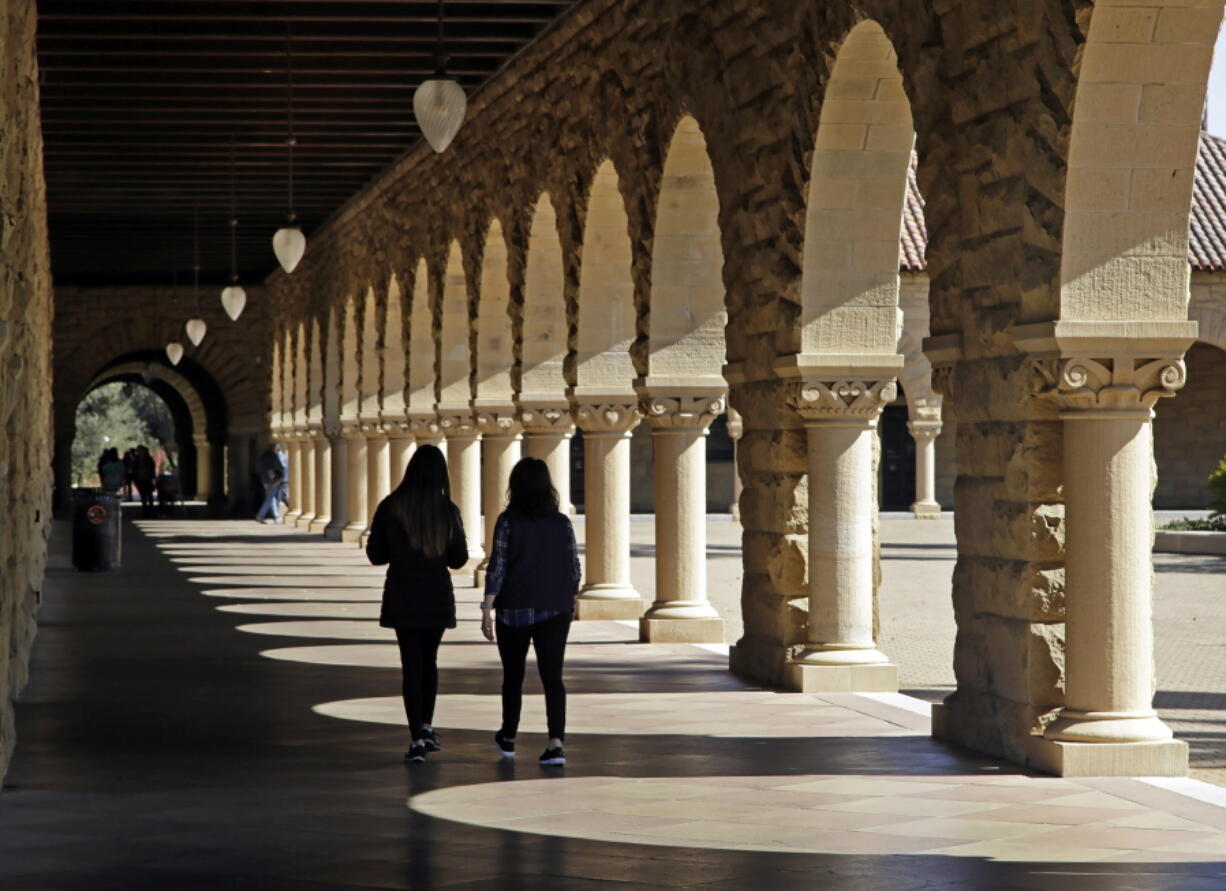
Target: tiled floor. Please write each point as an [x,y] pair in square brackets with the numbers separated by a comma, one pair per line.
[222,713]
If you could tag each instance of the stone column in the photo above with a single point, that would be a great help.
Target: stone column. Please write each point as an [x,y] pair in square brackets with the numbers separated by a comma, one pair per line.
[400,450]
[204,467]
[736,429]
[607,592]
[464,468]
[840,654]
[338,448]
[323,482]
[240,474]
[925,433]
[426,430]
[378,471]
[356,484]
[547,433]
[1108,724]
[681,611]
[306,452]
[293,450]
[501,437]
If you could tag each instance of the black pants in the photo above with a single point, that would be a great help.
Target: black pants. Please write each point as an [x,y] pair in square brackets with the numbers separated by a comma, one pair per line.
[549,641]
[419,673]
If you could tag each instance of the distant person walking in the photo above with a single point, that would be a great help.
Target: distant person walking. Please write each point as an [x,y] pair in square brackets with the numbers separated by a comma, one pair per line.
[283,457]
[111,471]
[143,474]
[531,583]
[417,531]
[272,476]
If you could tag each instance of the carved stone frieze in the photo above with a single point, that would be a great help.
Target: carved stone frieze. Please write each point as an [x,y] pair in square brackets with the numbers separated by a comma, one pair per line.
[425,427]
[373,429]
[498,422]
[546,419]
[682,412]
[457,424]
[607,417]
[831,400]
[1121,383]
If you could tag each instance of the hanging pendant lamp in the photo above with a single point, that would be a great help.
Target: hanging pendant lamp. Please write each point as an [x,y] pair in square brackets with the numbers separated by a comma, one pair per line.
[174,352]
[439,103]
[233,297]
[195,327]
[289,244]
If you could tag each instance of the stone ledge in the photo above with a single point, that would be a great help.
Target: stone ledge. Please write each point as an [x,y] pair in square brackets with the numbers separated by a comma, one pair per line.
[1187,542]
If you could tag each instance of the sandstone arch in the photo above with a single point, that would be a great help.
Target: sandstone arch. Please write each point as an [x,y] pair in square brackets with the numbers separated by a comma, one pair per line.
[495,342]
[543,337]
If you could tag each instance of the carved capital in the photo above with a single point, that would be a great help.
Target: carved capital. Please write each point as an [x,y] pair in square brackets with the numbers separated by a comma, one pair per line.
[682,412]
[736,424]
[492,422]
[332,430]
[546,419]
[924,431]
[425,427]
[373,429]
[834,400]
[607,417]
[1116,384]
[457,424]
[351,429]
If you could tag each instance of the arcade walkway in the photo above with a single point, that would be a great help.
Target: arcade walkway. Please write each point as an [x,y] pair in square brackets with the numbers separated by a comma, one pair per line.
[222,713]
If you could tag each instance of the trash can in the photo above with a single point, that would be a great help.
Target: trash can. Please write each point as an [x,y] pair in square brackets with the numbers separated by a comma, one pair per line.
[95,530]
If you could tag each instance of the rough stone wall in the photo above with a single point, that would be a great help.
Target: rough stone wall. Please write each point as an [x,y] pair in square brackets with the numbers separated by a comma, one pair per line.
[25,358]
[991,85]
[1190,431]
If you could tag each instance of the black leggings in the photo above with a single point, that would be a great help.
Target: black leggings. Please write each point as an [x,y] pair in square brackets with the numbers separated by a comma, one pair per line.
[419,672]
[549,640]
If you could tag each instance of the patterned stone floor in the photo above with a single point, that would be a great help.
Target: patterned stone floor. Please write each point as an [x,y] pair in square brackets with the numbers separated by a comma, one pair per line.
[222,712]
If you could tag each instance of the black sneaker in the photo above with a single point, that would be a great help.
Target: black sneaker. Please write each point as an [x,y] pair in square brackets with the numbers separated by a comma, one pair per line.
[506,747]
[433,743]
[416,753]
[553,757]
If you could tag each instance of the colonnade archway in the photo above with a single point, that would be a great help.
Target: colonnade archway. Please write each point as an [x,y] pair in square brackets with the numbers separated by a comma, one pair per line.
[712,247]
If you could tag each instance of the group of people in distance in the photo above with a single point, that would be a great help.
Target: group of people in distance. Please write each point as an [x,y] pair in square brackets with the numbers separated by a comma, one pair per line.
[138,469]
[274,476]
[530,588]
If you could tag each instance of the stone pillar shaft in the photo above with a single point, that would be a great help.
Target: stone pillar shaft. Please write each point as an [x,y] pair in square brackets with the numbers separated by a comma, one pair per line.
[356,486]
[464,470]
[378,472]
[607,592]
[339,450]
[925,435]
[681,611]
[501,443]
[400,451]
[294,452]
[840,652]
[306,453]
[204,468]
[547,436]
[323,484]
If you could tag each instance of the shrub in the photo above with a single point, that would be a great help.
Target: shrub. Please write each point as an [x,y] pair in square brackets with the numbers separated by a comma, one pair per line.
[1215,523]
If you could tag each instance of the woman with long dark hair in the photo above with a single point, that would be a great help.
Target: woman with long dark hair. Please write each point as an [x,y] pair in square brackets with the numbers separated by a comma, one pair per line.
[417,530]
[531,583]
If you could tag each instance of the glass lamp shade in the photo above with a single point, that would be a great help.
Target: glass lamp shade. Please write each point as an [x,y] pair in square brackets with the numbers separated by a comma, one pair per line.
[289,244]
[196,329]
[233,299]
[439,105]
[174,352]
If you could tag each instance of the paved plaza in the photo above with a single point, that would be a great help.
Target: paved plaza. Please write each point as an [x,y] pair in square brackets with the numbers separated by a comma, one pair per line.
[222,712]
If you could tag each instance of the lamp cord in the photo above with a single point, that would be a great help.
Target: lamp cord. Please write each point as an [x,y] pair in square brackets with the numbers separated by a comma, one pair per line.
[289,114]
[233,220]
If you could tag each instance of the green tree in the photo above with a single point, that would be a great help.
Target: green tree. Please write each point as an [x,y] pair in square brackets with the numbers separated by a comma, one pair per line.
[118,415]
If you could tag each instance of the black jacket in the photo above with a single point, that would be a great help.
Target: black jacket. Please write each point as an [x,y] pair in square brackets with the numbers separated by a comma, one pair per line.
[534,564]
[418,591]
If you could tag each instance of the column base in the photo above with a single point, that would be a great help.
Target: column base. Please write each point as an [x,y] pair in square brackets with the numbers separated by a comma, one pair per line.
[596,606]
[926,510]
[320,524]
[352,533]
[304,521]
[881,677]
[364,537]
[1168,758]
[291,518]
[681,630]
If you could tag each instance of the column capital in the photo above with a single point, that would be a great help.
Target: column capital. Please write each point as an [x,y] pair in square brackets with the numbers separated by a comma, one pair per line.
[607,417]
[924,431]
[498,420]
[682,412]
[332,430]
[351,428]
[457,423]
[1127,384]
[396,426]
[736,424]
[842,399]
[373,428]
[425,425]
[546,417]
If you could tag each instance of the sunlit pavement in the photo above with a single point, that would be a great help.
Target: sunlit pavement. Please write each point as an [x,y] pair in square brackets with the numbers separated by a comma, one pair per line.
[223,712]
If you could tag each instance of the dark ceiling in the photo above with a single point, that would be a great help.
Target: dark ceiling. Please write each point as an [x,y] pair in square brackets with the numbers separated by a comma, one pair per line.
[142,98]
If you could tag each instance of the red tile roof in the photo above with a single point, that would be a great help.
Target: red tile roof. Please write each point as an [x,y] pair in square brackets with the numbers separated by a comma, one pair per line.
[1207,237]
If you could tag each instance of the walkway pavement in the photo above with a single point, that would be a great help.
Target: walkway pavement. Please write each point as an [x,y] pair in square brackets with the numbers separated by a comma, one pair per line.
[222,713]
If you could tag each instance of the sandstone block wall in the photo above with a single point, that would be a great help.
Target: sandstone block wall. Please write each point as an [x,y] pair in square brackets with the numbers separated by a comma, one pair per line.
[25,358]
[1190,431]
